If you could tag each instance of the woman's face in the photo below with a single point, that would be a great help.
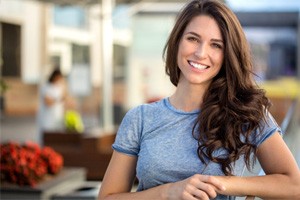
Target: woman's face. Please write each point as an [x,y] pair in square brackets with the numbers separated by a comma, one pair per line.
[58,80]
[201,51]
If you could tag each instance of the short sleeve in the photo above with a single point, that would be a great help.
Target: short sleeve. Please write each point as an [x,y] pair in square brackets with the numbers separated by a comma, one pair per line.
[268,127]
[129,133]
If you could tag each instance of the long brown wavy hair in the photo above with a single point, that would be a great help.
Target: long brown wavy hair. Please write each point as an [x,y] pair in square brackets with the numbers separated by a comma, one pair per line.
[233,105]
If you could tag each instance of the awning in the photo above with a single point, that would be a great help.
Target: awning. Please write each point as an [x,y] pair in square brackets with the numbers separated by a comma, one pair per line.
[91,2]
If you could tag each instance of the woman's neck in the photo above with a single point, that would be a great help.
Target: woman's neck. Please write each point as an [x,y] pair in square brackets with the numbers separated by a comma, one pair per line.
[188,97]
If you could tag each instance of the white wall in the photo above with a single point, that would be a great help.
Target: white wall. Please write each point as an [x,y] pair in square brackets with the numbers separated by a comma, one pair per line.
[146,76]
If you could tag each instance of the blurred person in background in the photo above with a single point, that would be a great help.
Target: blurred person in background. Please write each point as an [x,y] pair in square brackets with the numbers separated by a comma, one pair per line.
[196,143]
[52,101]
[58,109]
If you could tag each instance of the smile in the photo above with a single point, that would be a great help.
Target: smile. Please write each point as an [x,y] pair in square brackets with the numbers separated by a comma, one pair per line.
[197,65]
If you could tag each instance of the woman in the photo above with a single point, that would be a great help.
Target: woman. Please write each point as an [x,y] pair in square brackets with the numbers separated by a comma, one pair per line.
[196,143]
[52,101]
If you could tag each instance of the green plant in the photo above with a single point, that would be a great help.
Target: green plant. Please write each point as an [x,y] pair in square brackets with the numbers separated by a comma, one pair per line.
[73,121]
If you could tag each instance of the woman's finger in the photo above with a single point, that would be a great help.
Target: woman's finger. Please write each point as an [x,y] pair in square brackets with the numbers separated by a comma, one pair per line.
[205,191]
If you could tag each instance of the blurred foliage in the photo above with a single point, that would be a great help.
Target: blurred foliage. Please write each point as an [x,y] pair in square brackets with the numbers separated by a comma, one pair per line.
[73,121]
[3,87]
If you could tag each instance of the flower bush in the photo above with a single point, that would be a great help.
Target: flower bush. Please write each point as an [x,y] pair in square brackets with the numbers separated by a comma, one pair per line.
[27,164]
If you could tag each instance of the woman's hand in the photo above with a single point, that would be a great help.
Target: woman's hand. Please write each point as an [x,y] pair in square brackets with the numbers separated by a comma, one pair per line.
[196,187]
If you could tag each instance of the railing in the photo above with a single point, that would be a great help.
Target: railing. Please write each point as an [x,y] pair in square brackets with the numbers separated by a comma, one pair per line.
[290,116]
[290,126]
[292,130]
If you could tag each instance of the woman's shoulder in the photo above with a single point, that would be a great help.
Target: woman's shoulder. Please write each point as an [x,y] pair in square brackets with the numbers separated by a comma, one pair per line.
[268,126]
[139,117]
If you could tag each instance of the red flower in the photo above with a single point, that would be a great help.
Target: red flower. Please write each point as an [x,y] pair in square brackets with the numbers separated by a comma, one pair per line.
[53,159]
[27,164]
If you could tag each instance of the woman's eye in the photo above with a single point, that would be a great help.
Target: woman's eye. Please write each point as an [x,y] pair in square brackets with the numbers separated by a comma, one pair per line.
[215,45]
[193,39]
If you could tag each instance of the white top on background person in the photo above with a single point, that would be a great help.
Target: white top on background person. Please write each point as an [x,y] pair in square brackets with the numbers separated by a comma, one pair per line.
[216,120]
[52,97]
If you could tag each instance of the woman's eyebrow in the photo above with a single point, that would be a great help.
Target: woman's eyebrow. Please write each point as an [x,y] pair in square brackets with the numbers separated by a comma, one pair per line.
[193,33]
[217,40]
[197,35]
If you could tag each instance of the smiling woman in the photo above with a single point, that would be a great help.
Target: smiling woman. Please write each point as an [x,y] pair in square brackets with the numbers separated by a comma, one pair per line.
[196,143]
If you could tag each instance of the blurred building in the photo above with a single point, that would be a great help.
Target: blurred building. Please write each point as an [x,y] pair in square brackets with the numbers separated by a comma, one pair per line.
[35,36]
[274,37]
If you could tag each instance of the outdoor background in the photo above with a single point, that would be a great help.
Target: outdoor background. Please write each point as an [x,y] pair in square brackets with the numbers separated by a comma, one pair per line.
[110,53]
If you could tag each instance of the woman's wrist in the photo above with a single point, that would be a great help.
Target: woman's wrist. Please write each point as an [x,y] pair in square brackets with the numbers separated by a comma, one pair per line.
[165,191]
[225,182]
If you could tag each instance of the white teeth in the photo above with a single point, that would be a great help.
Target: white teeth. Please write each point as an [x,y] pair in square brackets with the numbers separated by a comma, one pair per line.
[198,66]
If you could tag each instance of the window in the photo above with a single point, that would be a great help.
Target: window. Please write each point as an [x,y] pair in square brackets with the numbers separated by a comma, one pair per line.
[11,49]
[70,16]
[80,54]
[274,51]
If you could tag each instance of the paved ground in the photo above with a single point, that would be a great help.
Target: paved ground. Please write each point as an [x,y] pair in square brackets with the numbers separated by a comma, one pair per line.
[25,128]
[19,129]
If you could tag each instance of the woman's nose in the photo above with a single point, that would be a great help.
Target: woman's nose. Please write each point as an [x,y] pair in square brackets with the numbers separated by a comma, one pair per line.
[201,51]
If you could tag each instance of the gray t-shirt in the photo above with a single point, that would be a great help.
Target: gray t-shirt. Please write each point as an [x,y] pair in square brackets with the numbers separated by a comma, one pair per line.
[161,137]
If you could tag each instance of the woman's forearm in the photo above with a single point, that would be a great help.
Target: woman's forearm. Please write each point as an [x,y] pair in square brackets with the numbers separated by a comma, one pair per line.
[274,186]
[195,187]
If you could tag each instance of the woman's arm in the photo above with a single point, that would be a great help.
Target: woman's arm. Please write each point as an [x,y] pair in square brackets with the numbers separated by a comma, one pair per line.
[282,179]
[49,101]
[120,175]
